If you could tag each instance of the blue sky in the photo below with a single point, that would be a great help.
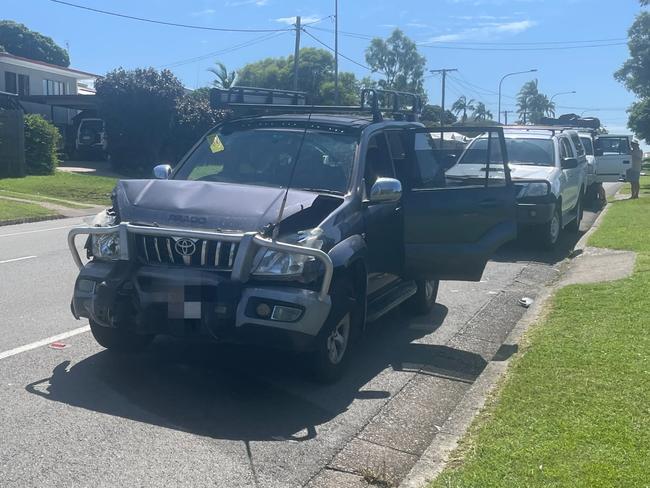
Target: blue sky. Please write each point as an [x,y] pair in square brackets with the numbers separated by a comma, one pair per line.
[457,33]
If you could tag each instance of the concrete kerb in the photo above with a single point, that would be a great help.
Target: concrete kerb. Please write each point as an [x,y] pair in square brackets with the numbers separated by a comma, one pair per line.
[436,457]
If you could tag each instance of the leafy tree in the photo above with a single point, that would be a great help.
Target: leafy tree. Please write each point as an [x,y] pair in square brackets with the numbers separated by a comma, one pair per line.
[635,74]
[481,112]
[225,78]
[533,105]
[17,39]
[139,107]
[463,105]
[430,115]
[315,76]
[42,140]
[194,116]
[398,60]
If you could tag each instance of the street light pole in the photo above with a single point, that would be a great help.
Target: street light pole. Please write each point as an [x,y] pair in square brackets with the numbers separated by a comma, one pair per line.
[563,93]
[501,83]
[336,53]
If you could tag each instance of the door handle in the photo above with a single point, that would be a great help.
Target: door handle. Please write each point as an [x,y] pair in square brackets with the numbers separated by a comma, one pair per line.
[626,162]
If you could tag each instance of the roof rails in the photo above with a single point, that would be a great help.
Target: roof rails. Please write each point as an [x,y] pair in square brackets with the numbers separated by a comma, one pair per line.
[251,100]
[545,128]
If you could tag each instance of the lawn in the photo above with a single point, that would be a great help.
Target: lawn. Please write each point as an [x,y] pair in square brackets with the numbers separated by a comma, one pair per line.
[79,188]
[574,408]
[10,211]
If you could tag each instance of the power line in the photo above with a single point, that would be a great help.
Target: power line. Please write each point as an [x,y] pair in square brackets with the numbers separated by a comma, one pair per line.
[558,48]
[223,51]
[161,22]
[340,54]
[543,45]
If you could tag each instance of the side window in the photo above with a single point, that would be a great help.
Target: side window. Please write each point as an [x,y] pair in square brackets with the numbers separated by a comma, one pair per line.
[378,161]
[565,149]
[612,146]
[580,150]
[438,165]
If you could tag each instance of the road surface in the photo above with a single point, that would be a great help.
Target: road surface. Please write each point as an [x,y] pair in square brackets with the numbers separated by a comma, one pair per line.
[212,415]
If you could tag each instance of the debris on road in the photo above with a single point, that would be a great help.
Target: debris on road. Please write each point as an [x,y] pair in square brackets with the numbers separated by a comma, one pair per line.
[526,302]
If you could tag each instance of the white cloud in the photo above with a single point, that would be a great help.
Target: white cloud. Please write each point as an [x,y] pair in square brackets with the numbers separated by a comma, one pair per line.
[485,31]
[240,3]
[201,13]
[417,25]
[292,20]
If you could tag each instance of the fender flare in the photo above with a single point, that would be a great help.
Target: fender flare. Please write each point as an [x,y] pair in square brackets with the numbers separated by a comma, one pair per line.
[348,251]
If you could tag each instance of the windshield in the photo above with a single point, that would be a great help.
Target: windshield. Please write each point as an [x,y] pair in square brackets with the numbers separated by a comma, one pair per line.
[526,151]
[266,156]
[589,147]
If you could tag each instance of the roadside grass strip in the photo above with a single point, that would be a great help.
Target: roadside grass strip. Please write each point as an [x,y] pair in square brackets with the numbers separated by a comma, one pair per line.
[12,211]
[574,408]
[76,189]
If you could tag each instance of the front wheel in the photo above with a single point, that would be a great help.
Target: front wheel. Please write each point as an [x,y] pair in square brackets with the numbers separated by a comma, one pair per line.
[119,340]
[551,230]
[574,226]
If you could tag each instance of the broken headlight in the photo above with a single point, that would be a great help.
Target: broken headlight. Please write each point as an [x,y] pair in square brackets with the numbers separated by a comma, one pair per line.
[106,246]
[273,263]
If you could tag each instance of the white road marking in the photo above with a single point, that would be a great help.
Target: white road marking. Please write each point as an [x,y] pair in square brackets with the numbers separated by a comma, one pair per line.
[16,259]
[38,230]
[43,342]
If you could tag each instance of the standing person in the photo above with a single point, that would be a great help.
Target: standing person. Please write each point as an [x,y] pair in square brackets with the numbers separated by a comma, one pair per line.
[634,173]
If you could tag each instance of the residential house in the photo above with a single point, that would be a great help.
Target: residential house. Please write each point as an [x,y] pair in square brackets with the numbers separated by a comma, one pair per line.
[29,78]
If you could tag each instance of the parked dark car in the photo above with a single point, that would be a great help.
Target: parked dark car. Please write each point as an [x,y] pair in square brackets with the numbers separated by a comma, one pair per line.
[291,229]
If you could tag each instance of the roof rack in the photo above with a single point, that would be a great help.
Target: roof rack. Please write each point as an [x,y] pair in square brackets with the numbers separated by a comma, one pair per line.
[252,100]
[548,128]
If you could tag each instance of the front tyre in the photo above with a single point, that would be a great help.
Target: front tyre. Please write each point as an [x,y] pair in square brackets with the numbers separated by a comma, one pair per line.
[550,231]
[119,340]
[424,299]
[574,226]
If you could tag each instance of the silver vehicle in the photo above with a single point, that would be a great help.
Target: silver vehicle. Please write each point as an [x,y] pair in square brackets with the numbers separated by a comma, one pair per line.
[549,168]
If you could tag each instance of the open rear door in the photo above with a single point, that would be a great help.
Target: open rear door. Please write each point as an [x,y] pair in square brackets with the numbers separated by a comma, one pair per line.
[613,157]
[456,216]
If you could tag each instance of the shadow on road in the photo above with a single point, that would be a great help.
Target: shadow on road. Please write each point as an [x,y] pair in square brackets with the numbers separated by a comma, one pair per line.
[238,393]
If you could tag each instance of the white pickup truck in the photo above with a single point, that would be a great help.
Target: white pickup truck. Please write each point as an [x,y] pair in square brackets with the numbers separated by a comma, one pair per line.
[549,168]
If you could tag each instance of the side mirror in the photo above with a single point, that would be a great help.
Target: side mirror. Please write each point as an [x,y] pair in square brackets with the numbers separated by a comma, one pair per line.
[386,190]
[162,171]
[569,163]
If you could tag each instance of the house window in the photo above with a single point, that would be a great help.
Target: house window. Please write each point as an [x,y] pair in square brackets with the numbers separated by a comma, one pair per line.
[23,85]
[11,84]
[52,87]
[18,84]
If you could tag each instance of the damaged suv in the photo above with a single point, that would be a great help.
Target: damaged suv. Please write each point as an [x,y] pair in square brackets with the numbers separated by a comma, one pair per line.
[292,226]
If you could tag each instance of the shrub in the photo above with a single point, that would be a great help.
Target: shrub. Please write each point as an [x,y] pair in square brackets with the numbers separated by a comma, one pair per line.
[41,145]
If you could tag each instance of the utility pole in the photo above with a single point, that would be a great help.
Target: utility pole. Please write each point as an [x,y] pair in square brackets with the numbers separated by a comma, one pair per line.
[443,72]
[296,54]
[505,113]
[336,53]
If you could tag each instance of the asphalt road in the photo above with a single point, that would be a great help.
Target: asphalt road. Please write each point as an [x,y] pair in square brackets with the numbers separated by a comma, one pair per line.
[210,415]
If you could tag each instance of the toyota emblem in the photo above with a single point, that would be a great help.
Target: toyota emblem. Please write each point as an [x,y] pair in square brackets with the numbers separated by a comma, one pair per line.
[185,246]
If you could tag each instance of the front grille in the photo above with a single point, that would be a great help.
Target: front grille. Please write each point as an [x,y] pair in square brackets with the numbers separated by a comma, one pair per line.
[206,253]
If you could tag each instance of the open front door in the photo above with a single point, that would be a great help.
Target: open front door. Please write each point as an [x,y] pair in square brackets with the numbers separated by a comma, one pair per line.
[456,213]
[613,157]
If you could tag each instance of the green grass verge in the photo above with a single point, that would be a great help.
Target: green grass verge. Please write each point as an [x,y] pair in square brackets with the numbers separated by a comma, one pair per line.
[645,187]
[80,188]
[10,211]
[574,409]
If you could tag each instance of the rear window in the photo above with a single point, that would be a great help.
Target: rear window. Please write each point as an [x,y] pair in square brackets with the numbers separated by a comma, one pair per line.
[526,151]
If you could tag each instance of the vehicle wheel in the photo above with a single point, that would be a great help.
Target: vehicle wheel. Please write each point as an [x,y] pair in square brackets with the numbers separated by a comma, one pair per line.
[119,340]
[574,225]
[424,299]
[336,341]
[552,229]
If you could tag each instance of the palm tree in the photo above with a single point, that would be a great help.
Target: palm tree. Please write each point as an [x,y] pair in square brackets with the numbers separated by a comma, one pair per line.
[462,105]
[533,105]
[225,79]
[481,112]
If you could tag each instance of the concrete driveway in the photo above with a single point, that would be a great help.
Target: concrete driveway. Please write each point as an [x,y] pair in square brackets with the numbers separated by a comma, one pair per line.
[212,415]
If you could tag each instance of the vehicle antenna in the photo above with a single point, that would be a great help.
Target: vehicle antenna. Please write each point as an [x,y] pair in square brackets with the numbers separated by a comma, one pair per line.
[276,227]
